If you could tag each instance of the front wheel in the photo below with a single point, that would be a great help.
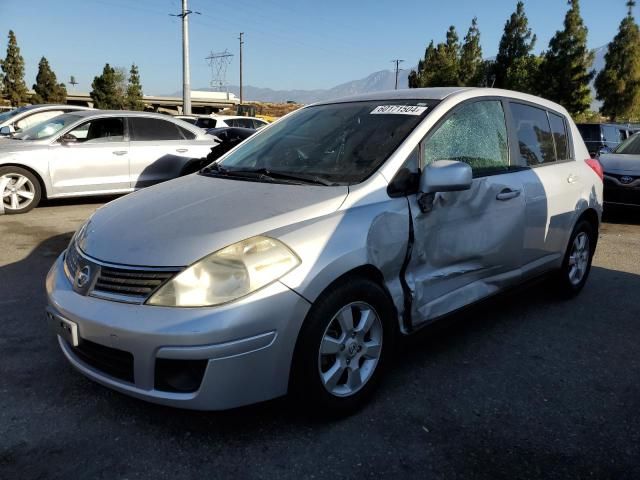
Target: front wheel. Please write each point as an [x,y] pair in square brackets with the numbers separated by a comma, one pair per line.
[343,347]
[21,191]
[576,266]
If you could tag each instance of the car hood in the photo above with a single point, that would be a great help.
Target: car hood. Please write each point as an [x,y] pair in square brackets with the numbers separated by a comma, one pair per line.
[8,146]
[618,163]
[181,221]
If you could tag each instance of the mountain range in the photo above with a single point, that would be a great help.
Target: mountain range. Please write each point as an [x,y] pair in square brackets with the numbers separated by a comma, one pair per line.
[375,82]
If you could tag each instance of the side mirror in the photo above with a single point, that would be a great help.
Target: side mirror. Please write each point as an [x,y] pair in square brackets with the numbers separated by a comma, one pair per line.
[6,130]
[67,138]
[603,150]
[443,176]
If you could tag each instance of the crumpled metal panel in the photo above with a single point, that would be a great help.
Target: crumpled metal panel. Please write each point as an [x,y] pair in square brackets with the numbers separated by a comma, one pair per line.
[467,247]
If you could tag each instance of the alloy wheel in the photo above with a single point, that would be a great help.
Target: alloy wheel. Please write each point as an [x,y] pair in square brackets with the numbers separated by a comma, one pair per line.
[579,258]
[18,193]
[350,349]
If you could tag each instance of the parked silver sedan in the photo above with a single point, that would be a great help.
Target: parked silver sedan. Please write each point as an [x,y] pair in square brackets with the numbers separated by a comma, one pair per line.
[95,152]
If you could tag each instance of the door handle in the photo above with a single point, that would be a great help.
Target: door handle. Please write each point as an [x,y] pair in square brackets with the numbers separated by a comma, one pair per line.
[507,194]
[120,152]
[572,178]
[182,150]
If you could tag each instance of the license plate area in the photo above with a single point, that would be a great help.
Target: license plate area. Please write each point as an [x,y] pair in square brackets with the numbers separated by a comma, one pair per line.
[66,329]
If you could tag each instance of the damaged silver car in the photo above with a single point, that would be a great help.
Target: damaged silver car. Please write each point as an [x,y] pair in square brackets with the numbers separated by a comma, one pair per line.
[298,260]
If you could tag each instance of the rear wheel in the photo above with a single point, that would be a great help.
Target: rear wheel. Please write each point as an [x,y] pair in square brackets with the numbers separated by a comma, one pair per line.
[343,347]
[577,262]
[21,190]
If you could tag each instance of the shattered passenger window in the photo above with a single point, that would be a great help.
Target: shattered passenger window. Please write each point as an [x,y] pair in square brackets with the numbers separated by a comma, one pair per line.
[475,134]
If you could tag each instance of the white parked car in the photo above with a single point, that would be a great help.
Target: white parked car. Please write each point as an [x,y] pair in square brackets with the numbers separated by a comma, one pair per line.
[22,118]
[96,152]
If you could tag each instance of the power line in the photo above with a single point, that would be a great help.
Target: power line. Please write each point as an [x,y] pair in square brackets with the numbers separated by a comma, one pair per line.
[397,61]
[241,43]
[186,75]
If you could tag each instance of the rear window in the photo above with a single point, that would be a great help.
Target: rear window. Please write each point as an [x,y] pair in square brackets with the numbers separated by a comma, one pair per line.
[559,130]
[149,129]
[534,134]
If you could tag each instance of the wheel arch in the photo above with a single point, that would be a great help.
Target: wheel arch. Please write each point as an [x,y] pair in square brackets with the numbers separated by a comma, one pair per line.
[43,187]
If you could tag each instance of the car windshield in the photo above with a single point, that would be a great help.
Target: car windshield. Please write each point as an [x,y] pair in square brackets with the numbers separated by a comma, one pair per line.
[12,113]
[631,146]
[340,143]
[48,128]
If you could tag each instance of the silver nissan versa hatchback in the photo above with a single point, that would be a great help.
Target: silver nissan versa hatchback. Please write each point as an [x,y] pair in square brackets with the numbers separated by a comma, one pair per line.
[297,261]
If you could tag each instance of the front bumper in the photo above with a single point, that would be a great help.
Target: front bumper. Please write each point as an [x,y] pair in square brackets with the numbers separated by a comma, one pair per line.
[246,347]
[618,193]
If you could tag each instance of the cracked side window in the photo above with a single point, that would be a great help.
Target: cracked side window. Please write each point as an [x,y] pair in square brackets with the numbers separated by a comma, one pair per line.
[476,134]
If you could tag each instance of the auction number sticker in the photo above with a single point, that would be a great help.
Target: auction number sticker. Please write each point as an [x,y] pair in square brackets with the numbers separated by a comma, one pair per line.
[398,110]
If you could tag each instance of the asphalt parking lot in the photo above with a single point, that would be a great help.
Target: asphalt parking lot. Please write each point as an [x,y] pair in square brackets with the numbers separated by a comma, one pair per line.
[522,386]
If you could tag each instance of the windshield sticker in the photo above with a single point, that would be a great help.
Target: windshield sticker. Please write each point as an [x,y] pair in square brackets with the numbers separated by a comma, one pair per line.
[399,110]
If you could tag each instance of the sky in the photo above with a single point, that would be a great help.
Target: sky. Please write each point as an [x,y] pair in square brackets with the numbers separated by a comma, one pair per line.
[289,44]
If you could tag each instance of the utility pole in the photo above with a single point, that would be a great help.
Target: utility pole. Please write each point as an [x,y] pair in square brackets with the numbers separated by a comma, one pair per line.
[186,76]
[241,43]
[397,61]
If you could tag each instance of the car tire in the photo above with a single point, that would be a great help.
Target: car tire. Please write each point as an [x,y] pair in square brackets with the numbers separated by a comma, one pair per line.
[337,368]
[573,274]
[22,193]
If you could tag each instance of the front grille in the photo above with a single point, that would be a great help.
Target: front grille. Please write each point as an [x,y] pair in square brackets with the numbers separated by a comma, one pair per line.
[627,195]
[619,176]
[112,282]
[134,283]
[113,362]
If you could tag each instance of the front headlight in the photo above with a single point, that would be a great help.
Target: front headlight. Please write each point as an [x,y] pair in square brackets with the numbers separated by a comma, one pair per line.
[228,274]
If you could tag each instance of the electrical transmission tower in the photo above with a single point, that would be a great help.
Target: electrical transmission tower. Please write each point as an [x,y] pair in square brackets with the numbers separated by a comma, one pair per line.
[219,62]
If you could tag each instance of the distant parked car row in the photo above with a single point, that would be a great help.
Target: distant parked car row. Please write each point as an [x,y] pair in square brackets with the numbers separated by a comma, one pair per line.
[603,137]
[220,121]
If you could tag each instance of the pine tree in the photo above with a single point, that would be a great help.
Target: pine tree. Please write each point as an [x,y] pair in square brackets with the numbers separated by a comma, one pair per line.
[471,62]
[134,90]
[421,77]
[514,62]
[441,64]
[13,67]
[618,84]
[47,88]
[105,92]
[565,71]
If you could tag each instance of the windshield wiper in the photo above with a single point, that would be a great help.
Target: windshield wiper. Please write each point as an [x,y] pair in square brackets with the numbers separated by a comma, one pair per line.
[295,176]
[266,174]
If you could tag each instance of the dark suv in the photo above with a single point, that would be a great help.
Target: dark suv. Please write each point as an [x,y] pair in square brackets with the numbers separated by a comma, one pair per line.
[603,136]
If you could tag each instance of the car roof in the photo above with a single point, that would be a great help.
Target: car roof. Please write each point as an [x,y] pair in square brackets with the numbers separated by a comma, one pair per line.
[442,93]
[47,106]
[123,113]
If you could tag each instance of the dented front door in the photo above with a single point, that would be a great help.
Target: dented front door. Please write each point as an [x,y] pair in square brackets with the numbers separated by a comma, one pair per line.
[468,246]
